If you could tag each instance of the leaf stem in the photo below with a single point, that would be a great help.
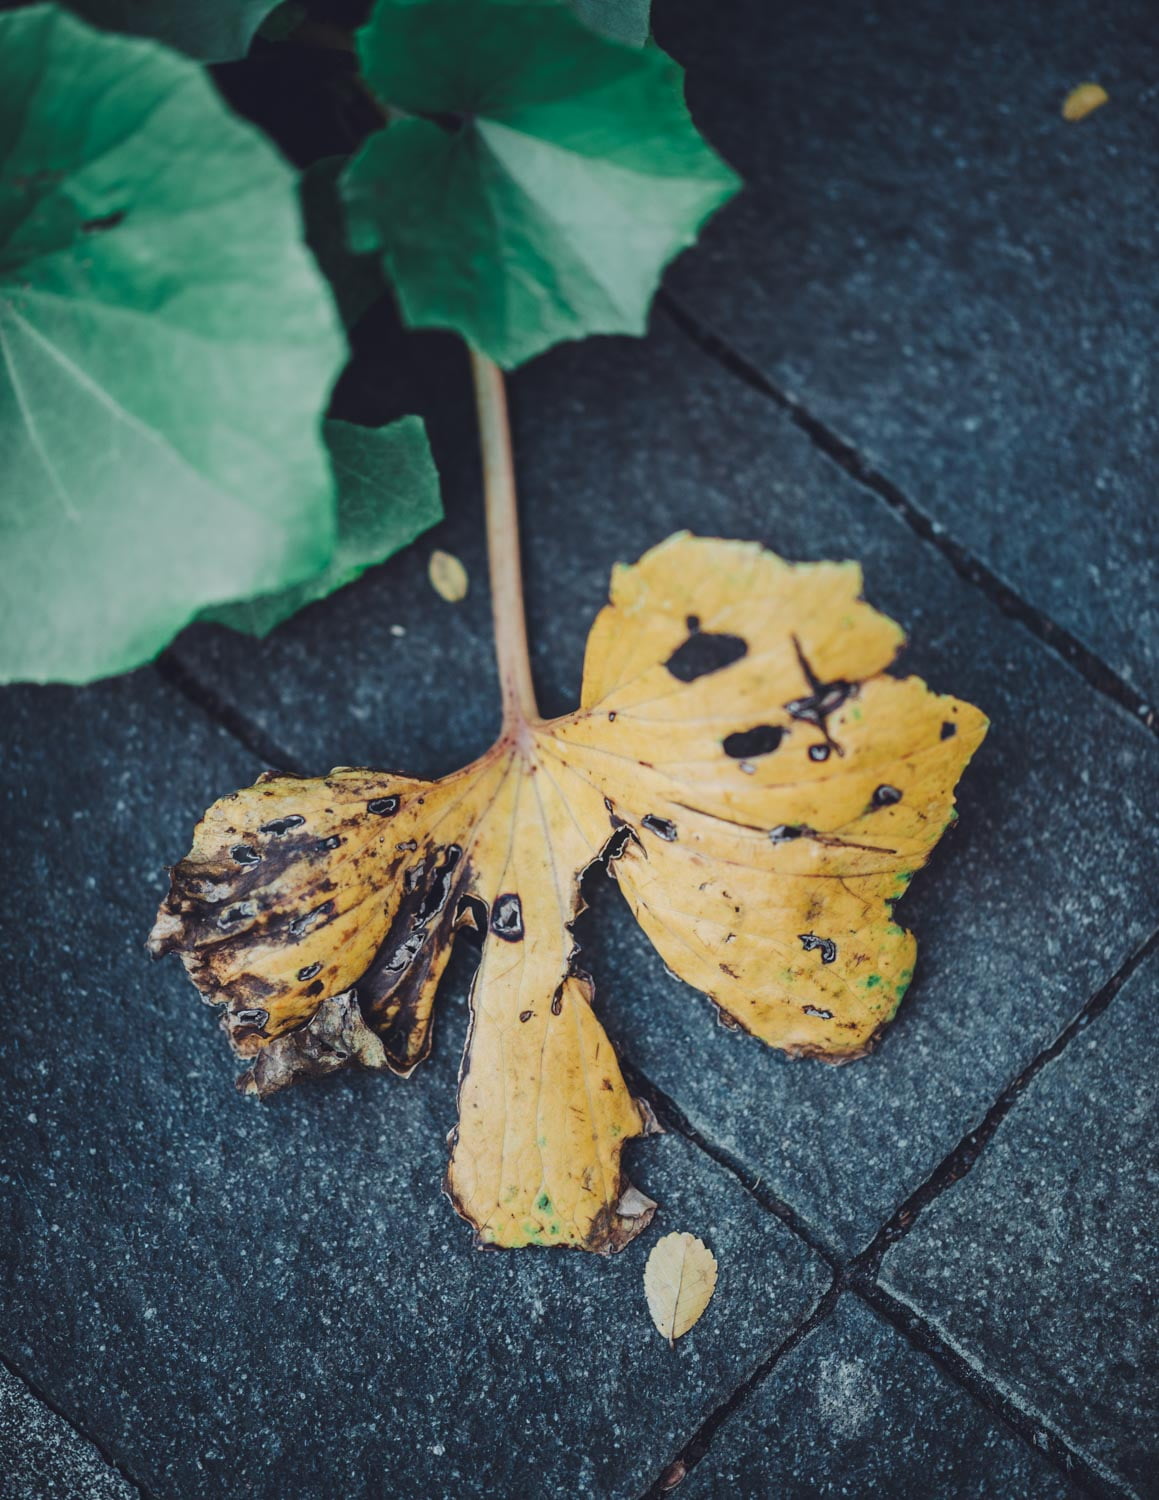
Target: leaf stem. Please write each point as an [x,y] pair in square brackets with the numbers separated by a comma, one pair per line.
[507,611]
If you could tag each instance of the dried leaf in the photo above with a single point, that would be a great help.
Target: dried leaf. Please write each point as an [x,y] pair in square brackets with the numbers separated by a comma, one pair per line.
[760,790]
[448,576]
[1083,100]
[679,1281]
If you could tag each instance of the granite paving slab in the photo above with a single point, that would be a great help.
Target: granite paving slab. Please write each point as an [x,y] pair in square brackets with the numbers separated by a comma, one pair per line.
[43,1458]
[266,1300]
[855,1410]
[1031,904]
[1041,1264]
[949,274]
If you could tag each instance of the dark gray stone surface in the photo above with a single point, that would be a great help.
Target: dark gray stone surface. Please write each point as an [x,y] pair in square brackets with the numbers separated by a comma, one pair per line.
[43,1458]
[1030,905]
[855,1410]
[277,1300]
[1041,1264]
[951,275]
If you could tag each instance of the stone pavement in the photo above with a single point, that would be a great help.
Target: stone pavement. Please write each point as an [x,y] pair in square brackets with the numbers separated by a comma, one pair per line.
[919,339]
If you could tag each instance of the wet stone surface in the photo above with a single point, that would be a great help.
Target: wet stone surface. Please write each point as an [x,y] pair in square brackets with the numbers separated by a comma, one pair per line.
[1042,1263]
[854,1409]
[949,274]
[270,1299]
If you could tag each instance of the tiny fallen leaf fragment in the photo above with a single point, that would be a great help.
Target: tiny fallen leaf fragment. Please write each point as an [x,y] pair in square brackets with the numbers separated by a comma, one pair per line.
[1083,101]
[448,576]
[679,1281]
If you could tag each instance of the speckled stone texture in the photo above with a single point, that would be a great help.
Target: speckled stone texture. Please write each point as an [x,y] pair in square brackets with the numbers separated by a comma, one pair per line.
[1042,1263]
[43,1458]
[951,275]
[855,1410]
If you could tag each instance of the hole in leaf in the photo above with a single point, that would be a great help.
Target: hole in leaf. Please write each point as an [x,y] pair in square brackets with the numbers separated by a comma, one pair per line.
[507,918]
[809,941]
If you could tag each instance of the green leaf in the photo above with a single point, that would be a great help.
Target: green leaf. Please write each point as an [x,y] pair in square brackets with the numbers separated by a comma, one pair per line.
[626,21]
[553,178]
[166,346]
[356,280]
[388,494]
[210,30]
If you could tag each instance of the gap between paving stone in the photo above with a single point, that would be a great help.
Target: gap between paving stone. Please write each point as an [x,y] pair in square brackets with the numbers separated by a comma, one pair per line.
[1037,1435]
[857,1275]
[114,1465]
[847,458]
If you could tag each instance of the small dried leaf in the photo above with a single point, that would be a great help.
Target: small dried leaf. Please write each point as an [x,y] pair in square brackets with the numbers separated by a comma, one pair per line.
[1081,101]
[448,576]
[679,1281]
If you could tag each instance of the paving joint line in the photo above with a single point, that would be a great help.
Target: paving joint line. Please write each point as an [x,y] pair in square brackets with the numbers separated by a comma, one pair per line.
[961,1160]
[673,1118]
[1031,1429]
[698,1444]
[224,714]
[58,1411]
[1103,678]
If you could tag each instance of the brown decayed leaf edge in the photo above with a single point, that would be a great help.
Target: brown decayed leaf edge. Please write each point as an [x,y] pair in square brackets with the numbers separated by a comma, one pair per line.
[758,786]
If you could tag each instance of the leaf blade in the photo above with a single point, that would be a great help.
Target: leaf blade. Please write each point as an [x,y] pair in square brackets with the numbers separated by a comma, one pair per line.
[679,1282]
[124,259]
[573,176]
[388,495]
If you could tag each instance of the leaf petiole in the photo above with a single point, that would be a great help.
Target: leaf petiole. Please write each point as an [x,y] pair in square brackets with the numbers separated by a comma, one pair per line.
[507,611]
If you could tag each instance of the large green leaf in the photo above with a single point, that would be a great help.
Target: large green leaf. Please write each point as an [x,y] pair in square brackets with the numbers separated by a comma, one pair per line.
[211,30]
[166,346]
[388,494]
[553,177]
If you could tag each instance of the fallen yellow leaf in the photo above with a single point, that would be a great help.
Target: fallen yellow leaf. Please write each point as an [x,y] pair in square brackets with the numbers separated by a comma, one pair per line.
[760,789]
[1081,101]
[679,1280]
[448,576]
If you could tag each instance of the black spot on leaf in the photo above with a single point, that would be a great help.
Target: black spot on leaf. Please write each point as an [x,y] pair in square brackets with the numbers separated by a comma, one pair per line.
[309,971]
[761,739]
[818,752]
[661,827]
[104,222]
[822,1015]
[885,796]
[279,826]
[383,807]
[316,988]
[949,730]
[245,854]
[704,652]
